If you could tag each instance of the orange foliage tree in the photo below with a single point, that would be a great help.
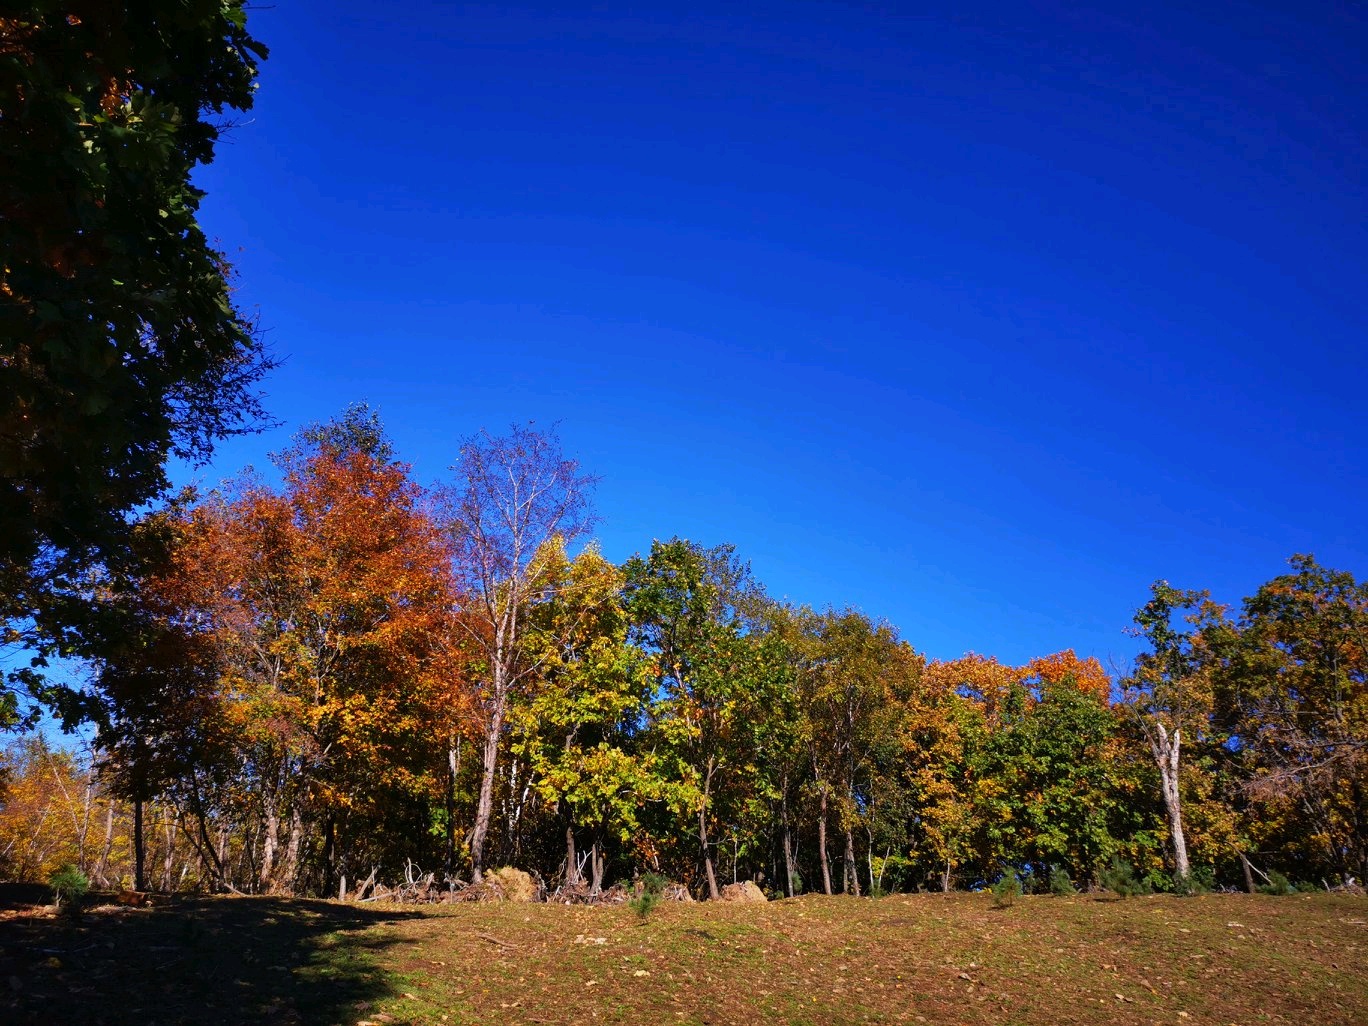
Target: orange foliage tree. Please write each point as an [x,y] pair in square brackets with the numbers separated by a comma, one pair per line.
[320,614]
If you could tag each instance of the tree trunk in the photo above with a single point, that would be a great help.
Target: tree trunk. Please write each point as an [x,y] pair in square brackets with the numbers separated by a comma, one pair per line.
[713,892]
[453,775]
[595,869]
[102,868]
[291,867]
[789,867]
[222,849]
[852,868]
[1248,876]
[211,858]
[821,843]
[572,877]
[488,766]
[87,806]
[1166,749]
[329,847]
[268,847]
[139,847]
[945,878]
[170,822]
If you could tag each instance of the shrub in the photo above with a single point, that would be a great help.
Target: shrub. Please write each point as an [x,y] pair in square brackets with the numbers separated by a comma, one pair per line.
[1060,884]
[1006,891]
[1120,879]
[1278,884]
[650,888]
[1199,881]
[69,885]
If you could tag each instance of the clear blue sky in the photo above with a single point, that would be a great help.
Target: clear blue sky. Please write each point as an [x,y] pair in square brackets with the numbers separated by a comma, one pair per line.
[978,321]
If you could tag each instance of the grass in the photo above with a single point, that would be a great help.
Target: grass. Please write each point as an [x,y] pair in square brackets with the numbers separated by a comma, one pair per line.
[1216,959]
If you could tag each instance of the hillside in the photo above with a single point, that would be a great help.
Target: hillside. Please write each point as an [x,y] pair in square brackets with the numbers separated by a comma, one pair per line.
[1218,959]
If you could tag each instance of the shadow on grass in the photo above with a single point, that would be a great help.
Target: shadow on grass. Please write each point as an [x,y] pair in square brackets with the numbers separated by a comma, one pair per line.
[294,962]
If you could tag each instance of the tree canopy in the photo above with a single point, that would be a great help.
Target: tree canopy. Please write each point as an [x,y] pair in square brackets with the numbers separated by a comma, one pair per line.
[120,343]
[350,672]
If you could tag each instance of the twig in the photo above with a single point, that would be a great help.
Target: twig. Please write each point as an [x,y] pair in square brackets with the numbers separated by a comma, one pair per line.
[495,940]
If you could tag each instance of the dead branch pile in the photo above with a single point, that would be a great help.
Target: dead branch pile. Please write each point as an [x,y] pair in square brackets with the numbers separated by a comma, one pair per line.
[419,888]
[618,894]
[504,884]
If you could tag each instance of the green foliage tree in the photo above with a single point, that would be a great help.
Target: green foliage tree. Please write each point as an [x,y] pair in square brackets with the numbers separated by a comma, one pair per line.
[119,341]
[693,610]
[1170,690]
[1056,763]
[858,670]
[579,730]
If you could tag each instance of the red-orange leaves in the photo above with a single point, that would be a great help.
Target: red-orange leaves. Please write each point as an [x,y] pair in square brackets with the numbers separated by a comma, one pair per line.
[1065,669]
[330,607]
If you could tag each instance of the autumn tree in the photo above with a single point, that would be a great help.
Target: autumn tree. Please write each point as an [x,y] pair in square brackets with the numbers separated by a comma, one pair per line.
[515,496]
[1292,691]
[47,800]
[318,609]
[846,686]
[945,731]
[120,345]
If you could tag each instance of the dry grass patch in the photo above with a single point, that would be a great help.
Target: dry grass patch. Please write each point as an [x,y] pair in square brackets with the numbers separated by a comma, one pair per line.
[1218,959]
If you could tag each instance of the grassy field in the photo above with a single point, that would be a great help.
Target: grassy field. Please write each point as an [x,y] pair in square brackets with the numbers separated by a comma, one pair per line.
[935,959]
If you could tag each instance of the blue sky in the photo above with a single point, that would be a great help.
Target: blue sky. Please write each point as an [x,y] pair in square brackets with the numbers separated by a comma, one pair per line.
[979,321]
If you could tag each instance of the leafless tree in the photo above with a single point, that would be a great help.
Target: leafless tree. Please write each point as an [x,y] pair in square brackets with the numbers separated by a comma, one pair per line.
[516,495]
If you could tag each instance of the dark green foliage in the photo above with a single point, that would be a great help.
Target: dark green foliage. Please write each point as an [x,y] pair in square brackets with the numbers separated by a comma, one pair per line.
[1278,885]
[1059,800]
[1200,881]
[120,345]
[1006,891]
[650,888]
[69,885]
[1060,884]
[1119,878]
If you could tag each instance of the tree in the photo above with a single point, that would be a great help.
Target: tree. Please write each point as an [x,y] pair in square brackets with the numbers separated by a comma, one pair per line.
[1170,690]
[580,731]
[692,609]
[849,682]
[291,652]
[119,341]
[1293,693]
[517,495]
[1056,763]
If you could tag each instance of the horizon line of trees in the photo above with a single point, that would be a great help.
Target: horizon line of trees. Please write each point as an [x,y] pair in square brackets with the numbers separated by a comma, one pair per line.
[348,674]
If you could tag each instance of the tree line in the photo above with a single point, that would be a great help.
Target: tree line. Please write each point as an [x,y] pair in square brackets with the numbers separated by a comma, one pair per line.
[347,674]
